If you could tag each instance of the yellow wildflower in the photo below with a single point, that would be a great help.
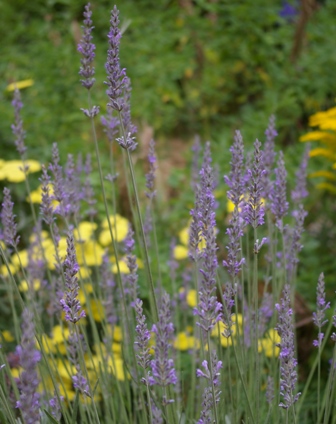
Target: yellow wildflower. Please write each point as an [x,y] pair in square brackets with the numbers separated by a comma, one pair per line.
[24,286]
[268,344]
[84,230]
[184,341]
[12,170]
[119,226]
[19,85]
[7,336]
[180,252]
[192,298]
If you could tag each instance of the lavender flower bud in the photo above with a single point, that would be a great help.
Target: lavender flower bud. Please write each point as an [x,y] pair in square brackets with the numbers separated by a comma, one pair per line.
[254,210]
[208,309]
[17,127]
[71,305]
[28,382]
[279,204]
[8,220]
[210,399]
[162,367]
[115,75]
[142,337]
[321,304]
[150,176]
[288,362]
[300,190]
[235,180]
[87,48]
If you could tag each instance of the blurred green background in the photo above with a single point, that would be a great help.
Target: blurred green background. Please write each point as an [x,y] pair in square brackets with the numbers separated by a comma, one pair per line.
[203,66]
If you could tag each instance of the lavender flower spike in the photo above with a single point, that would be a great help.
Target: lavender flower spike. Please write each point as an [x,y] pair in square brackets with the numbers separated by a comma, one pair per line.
[288,362]
[17,127]
[142,337]
[87,48]
[150,177]
[208,310]
[210,399]
[319,316]
[300,190]
[8,220]
[70,304]
[279,204]
[254,210]
[235,180]
[163,368]
[28,382]
[115,75]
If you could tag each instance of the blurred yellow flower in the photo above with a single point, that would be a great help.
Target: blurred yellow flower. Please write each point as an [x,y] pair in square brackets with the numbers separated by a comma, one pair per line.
[180,252]
[7,336]
[184,341]
[89,253]
[20,84]
[12,170]
[24,286]
[119,226]
[192,298]
[267,344]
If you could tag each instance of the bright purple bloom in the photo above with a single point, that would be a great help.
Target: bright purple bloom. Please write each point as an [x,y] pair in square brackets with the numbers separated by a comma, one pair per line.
[17,127]
[115,75]
[235,180]
[300,191]
[254,210]
[142,336]
[208,310]
[9,234]
[209,401]
[28,381]
[288,362]
[321,306]
[279,204]
[288,11]
[87,48]
[71,305]
[163,371]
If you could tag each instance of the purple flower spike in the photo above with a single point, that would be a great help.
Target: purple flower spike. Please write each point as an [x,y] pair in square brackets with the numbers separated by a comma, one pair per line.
[321,307]
[87,48]
[279,204]
[115,75]
[162,367]
[150,177]
[70,304]
[28,382]
[17,127]
[288,362]
[8,220]
[209,402]
[208,310]
[46,208]
[254,210]
[300,191]
[235,180]
[142,337]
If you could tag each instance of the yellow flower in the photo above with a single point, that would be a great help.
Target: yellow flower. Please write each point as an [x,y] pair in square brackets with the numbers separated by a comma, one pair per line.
[192,298]
[97,310]
[184,341]
[119,226]
[7,336]
[268,344]
[180,252]
[21,260]
[84,230]
[12,170]
[24,286]
[123,268]
[20,84]
[89,253]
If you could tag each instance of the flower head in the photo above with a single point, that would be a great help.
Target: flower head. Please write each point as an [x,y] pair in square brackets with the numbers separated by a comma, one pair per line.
[87,48]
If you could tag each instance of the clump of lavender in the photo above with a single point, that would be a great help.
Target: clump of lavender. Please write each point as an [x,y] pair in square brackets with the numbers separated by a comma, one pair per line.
[288,362]
[208,310]
[70,304]
[163,370]
[17,127]
[211,395]
[87,48]
[254,210]
[9,234]
[319,316]
[29,357]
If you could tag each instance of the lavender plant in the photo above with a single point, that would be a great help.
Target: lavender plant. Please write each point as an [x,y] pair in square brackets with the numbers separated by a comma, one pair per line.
[222,342]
